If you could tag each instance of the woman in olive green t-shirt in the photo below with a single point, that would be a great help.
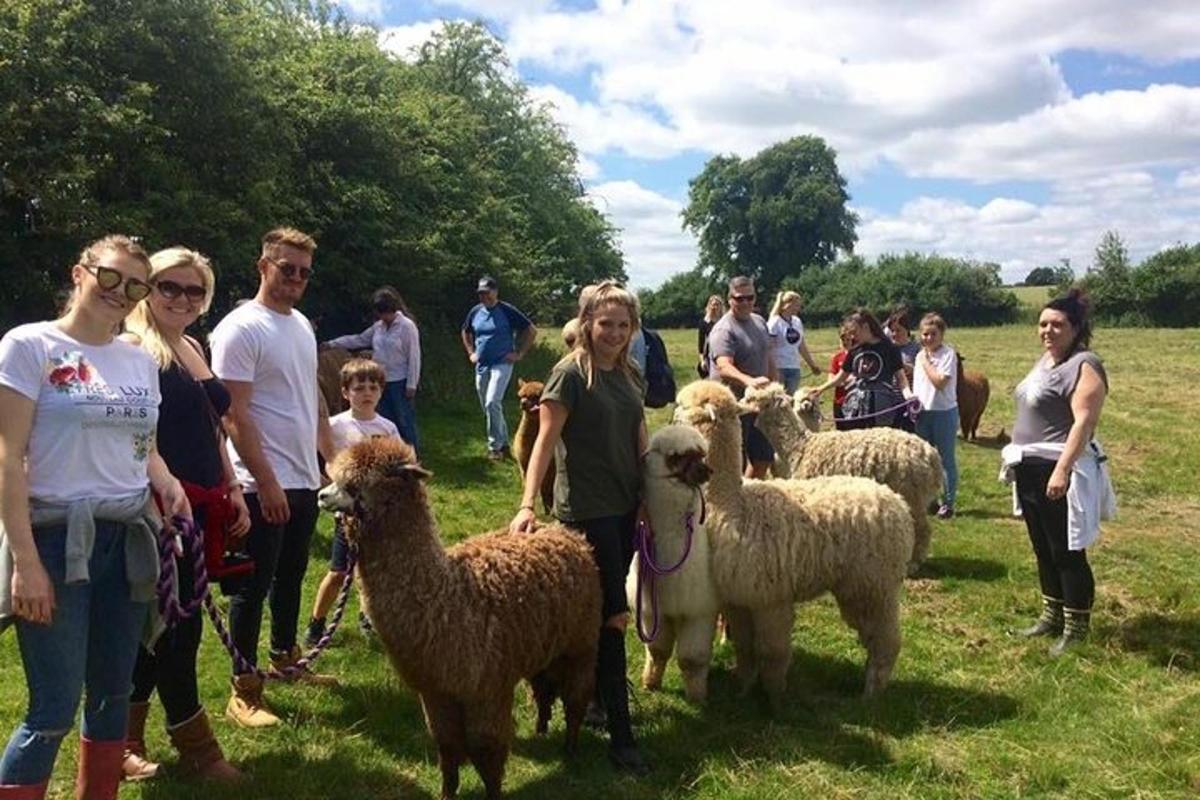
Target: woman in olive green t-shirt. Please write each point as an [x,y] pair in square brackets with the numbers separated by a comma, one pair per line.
[592,426]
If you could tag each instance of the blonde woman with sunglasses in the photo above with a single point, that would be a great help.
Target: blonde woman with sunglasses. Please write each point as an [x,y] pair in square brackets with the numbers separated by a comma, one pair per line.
[189,437]
[78,555]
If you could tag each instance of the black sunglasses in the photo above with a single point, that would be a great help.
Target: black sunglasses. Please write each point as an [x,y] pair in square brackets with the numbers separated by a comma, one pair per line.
[741,298]
[290,270]
[110,279]
[171,290]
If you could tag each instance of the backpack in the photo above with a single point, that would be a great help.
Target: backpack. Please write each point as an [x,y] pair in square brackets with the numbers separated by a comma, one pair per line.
[660,381]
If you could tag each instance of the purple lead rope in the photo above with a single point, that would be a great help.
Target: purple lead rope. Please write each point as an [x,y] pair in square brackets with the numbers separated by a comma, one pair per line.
[182,533]
[911,406]
[649,569]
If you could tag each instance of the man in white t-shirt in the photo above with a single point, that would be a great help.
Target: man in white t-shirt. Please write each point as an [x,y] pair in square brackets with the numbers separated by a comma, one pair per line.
[266,354]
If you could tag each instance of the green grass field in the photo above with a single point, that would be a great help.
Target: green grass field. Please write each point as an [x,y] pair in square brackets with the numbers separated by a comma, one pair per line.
[971,712]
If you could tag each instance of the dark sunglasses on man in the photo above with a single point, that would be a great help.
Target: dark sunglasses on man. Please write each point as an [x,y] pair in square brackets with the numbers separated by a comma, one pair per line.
[742,298]
[110,279]
[171,290]
[290,270]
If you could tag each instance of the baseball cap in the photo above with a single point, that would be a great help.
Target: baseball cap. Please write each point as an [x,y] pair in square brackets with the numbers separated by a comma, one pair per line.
[486,284]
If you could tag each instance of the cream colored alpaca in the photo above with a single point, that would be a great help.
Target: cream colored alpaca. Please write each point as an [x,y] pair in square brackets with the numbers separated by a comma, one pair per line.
[778,542]
[903,461]
[672,477]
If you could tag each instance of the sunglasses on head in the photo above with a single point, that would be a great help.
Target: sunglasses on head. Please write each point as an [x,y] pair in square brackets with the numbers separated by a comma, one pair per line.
[741,298]
[290,270]
[171,290]
[110,279]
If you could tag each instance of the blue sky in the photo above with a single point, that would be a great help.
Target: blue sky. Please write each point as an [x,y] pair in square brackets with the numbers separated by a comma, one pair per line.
[1000,131]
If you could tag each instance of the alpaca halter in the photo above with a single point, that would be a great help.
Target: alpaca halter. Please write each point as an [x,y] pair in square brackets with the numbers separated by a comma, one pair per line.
[182,537]
[649,569]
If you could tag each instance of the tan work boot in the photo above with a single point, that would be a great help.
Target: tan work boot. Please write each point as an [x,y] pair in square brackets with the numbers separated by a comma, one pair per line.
[134,766]
[199,753]
[246,705]
[281,661]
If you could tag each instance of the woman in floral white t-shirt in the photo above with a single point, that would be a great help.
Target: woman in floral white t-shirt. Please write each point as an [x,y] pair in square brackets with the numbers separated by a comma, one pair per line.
[78,558]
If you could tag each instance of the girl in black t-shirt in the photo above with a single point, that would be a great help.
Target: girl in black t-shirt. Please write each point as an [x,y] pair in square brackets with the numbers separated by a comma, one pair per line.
[880,382]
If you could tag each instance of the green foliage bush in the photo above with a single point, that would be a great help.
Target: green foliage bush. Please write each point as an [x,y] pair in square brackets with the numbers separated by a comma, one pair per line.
[1162,291]
[964,292]
[206,122]
[679,302]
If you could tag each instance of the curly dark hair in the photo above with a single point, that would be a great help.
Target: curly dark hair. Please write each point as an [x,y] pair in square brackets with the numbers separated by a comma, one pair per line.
[1078,309]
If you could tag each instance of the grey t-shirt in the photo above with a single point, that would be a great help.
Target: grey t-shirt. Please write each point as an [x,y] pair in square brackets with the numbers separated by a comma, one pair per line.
[747,343]
[1043,398]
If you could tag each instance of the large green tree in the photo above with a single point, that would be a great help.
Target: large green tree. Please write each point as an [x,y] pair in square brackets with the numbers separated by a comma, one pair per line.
[206,122]
[772,215]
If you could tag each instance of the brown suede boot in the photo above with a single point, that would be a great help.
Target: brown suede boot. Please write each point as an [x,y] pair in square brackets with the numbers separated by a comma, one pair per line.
[199,754]
[99,772]
[246,705]
[282,661]
[135,766]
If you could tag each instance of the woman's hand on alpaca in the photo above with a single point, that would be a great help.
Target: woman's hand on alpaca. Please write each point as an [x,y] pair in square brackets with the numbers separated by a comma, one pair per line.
[524,520]
[32,592]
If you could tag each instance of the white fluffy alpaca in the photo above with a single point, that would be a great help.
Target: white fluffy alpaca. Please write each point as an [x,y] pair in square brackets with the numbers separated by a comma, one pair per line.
[687,600]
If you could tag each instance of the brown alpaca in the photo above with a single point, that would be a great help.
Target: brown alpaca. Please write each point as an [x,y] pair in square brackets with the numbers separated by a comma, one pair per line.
[529,394]
[464,625]
[329,377]
[973,391]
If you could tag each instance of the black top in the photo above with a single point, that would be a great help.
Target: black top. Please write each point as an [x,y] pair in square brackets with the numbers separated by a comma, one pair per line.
[702,332]
[187,420]
[875,362]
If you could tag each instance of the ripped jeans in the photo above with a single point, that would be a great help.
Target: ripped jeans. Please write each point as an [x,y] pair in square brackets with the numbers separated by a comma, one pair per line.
[91,641]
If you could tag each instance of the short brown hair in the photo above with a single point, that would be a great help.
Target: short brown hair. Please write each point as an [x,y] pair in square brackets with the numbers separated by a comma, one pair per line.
[934,319]
[290,236]
[362,369]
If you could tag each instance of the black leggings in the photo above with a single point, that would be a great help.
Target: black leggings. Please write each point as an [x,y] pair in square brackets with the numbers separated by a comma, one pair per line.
[612,541]
[171,668]
[1064,573]
[280,554]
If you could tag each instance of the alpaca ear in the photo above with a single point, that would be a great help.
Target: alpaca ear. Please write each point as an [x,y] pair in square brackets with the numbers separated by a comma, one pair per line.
[409,470]
[711,410]
[520,383]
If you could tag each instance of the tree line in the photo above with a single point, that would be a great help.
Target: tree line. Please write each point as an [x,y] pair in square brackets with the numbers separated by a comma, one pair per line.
[207,122]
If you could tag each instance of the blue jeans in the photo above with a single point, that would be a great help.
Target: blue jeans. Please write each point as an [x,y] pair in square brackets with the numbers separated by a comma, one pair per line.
[92,640]
[491,383]
[940,429]
[790,377]
[396,406]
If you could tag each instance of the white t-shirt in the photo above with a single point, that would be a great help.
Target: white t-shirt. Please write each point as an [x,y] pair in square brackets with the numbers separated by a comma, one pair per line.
[945,361]
[95,412]
[349,431]
[787,334]
[277,353]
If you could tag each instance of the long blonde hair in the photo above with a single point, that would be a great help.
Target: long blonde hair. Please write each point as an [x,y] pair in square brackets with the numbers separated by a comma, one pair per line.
[708,308]
[591,300]
[142,323]
[781,300]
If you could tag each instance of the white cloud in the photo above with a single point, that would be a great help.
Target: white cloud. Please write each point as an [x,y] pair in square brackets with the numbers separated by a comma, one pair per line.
[652,239]
[401,40]
[1189,179]
[363,9]
[1092,134]
[1021,235]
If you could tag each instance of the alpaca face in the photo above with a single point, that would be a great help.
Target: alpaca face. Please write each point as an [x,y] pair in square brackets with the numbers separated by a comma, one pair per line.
[367,471]
[678,452]
[529,395]
[809,412]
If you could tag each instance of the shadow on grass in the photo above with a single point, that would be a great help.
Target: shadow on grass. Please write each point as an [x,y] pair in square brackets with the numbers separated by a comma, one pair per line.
[286,774]
[830,690]
[983,513]
[963,568]
[1166,641]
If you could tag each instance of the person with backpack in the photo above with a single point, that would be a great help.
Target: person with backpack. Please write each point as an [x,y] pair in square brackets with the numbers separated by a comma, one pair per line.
[741,353]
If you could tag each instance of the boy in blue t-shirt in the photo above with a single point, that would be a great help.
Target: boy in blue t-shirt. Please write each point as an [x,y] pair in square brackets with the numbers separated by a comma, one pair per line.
[495,335]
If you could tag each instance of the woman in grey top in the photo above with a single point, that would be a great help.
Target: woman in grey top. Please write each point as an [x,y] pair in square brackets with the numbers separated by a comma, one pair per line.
[1058,405]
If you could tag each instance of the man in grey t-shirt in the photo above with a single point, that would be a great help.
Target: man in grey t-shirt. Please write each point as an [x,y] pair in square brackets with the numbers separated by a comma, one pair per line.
[741,354]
